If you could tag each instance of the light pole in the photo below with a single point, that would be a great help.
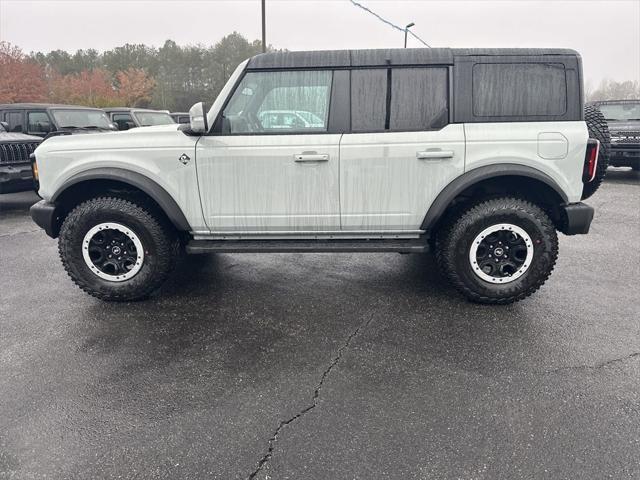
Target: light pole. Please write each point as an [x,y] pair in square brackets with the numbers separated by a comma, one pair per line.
[406,31]
[264,33]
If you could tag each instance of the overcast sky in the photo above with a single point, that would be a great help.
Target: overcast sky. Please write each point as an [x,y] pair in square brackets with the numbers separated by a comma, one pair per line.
[606,33]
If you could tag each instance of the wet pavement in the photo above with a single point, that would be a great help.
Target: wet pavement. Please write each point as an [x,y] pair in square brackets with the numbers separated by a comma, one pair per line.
[292,366]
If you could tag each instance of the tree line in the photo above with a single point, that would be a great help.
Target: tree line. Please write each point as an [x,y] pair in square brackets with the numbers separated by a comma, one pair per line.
[171,77]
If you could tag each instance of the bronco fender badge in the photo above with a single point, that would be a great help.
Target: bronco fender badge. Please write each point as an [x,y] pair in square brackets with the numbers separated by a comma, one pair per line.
[184,158]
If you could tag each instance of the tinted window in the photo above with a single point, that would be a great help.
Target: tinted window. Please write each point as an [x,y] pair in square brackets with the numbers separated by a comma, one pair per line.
[123,121]
[368,100]
[418,98]
[519,89]
[147,119]
[282,102]
[38,122]
[14,119]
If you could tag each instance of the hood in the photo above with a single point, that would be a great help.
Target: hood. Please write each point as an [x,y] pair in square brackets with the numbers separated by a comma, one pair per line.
[623,126]
[18,137]
[159,136]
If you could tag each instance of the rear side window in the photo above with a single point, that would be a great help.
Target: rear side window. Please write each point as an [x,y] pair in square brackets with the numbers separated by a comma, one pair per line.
[418,98]
[399,99]
[519,89]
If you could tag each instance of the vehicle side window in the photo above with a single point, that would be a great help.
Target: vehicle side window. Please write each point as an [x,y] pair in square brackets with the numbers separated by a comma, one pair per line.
[123,121]
[279,102]
[418,98]
[14,119]
[519,89]
[368,100]
[38,122]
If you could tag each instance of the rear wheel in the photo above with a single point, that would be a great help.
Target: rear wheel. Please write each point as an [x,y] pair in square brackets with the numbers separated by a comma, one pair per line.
[498,251]
[115,249]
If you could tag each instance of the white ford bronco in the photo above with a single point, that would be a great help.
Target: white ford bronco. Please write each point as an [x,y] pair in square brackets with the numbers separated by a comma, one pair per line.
[479,155]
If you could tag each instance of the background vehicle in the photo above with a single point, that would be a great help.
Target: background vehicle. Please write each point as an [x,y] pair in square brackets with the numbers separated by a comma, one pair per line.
[480,155]
[15,164]
[180,117]
[125,118]
[42,119]
[623,119]
[287,119]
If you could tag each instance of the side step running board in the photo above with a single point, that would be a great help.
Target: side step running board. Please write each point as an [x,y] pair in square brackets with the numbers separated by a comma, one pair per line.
[306,246]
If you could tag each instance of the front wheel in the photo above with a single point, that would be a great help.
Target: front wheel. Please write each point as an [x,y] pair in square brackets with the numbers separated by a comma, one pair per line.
[115,249]
[498,251]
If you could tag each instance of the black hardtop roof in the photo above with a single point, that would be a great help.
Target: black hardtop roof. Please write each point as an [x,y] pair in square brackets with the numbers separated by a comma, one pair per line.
[382,57]
[45,106]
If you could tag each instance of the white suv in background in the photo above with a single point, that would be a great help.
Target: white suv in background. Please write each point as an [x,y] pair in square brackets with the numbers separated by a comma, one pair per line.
[480,155]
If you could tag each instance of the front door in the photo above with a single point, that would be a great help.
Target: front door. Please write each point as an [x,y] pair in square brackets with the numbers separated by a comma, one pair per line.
[274,167]
[401,151]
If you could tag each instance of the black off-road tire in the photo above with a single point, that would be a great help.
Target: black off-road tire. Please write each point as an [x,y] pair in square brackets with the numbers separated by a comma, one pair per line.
[158,239]
[598,129]
[455,238]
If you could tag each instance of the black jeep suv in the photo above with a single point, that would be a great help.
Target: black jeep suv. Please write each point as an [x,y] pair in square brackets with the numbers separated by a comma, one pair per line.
[15,165]
[623,118]
[43,119]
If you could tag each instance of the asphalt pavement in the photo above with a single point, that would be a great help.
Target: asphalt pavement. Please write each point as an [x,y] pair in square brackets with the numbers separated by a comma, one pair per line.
[314,366]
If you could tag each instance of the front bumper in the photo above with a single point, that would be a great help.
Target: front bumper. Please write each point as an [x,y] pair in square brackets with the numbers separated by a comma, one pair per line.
[575,218]
[46,216]
[624,155]
[16,178]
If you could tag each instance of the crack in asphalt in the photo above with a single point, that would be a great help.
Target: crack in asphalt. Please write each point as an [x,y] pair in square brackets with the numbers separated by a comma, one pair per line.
[597,365]
[316,394]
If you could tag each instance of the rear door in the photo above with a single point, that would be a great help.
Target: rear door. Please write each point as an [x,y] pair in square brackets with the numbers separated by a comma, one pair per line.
[402,150]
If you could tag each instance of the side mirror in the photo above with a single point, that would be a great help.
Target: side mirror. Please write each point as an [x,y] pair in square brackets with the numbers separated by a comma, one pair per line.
[5,125]
[198,118]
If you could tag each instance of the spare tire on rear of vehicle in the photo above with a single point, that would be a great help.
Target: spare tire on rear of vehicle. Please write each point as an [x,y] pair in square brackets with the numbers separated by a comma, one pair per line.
[598,129]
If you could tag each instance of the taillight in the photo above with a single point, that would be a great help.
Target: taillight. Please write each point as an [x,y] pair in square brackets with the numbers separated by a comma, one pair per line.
[590,161]
[34,170]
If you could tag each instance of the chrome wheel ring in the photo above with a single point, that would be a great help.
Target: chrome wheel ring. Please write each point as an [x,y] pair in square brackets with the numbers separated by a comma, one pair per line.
[501,253]
[113,252]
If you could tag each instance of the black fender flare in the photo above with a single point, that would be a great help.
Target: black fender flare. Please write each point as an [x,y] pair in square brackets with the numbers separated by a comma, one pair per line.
[471,177]
[137,180]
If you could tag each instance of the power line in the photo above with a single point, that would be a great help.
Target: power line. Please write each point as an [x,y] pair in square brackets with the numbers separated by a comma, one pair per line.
[359,5]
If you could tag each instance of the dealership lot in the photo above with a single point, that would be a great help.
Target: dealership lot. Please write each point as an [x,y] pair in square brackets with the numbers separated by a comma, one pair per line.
[324,366]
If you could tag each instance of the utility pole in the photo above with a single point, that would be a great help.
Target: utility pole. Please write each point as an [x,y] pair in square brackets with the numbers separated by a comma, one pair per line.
[406,31]
[264,32]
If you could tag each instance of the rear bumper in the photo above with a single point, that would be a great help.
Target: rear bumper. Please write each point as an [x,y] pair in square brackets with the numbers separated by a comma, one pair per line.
[46,216]
[576,218]
[16,178]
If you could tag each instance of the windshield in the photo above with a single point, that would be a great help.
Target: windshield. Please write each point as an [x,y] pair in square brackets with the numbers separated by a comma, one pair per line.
[146,119]
[621,111]
[67,118]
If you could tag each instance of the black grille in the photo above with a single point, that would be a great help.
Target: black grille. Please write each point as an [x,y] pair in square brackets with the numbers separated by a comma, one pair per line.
[627,137]
[16,152]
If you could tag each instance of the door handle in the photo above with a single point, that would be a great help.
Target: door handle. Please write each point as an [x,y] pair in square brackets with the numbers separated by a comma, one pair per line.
[434,154]
[311,157]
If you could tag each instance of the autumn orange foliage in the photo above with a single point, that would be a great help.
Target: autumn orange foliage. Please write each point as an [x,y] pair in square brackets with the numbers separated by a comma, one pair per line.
[21,80]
